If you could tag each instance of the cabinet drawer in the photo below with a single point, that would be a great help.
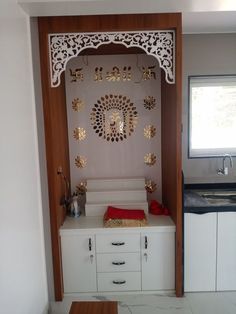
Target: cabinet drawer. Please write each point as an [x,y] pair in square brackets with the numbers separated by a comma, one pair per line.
[118,243]
[119,281]
[117,262]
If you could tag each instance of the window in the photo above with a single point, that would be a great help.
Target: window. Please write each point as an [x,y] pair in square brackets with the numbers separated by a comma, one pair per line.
[212,116]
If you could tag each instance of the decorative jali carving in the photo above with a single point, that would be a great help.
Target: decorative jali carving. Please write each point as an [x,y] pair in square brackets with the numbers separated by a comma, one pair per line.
[114,117]
[79,134]
[77,104]
[149,131]
[80,162]
[159,44]
[149,102]
[150,186]
[150,159]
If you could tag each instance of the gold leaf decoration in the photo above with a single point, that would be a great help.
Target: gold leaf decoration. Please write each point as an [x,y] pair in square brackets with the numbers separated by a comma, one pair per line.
[150,159]
[79,134]
[77,75]
[80,161]
[114,117]
[148,73]
[77,104]
[149,131]
[150,186]
[149,102]
[81,188]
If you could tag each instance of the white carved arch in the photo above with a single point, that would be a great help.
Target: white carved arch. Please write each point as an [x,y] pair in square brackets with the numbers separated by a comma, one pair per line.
[159,44]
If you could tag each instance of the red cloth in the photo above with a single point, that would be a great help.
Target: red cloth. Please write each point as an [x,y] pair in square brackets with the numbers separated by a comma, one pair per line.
[158,209]
[118,213]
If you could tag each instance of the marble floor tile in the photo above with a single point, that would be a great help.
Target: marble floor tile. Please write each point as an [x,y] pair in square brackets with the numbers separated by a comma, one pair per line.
[191,303]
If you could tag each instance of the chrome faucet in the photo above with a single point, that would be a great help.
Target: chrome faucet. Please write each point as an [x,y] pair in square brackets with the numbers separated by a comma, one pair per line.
[224,170]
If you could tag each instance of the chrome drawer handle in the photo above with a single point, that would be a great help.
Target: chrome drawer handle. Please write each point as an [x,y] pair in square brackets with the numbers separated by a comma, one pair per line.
[118,263]
[90,244]
[119,282]
[146,242]
[118,243]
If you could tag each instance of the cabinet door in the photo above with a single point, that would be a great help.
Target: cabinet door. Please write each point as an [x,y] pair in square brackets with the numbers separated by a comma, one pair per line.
[79,264]
[226,253]
[158,261]
[200,252]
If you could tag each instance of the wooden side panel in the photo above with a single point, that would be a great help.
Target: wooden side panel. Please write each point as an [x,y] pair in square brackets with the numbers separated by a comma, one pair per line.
[171,100]
[57,150]
[56,121]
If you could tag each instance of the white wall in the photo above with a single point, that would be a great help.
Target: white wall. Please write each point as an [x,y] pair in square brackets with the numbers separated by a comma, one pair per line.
[203,55]
[23,286]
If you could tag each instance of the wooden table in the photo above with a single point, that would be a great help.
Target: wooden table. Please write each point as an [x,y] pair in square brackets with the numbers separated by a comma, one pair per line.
[94,307]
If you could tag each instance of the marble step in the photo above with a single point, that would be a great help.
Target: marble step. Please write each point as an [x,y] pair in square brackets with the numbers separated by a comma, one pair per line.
[100,208]
[116,184]
[93,197]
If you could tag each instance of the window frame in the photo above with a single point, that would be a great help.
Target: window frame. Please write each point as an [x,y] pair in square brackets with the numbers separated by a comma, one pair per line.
[220,152]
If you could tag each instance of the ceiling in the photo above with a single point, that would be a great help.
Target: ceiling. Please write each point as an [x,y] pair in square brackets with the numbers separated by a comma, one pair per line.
[199,16]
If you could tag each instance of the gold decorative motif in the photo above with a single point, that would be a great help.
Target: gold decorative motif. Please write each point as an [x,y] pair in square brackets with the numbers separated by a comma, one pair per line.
[80,161]
[150,159]
[98,74]
[150,186]
[117,75]
[81,188]
[114,117]
[149,131]
[77,104]
[79,134]
[149,102]
[148,73]
[77,75]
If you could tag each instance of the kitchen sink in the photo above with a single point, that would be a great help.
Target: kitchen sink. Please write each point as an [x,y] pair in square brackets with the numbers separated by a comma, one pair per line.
[219,197]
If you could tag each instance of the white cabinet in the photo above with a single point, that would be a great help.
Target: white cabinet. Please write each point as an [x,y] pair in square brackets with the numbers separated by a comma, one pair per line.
[79,263]
[97,259]
[210,252]
[158,260]
[226,252]
[200,252]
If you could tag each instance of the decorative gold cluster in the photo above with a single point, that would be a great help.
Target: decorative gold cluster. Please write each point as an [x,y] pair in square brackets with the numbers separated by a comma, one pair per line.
[149,102]
[77,104]
[150,159]
[79,134]
[77,75]
[81,188]
[150,186]
[149,131]
[80,161]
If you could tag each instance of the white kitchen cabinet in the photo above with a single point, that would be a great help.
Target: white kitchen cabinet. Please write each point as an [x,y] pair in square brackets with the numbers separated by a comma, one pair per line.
[118,260]
[226,251]
[79,263]
[158,260]
[200,233]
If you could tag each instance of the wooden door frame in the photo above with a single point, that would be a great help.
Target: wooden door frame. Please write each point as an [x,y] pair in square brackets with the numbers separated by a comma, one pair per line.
[56,129]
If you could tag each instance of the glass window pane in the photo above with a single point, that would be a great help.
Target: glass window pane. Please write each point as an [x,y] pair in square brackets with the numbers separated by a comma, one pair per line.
[212,116]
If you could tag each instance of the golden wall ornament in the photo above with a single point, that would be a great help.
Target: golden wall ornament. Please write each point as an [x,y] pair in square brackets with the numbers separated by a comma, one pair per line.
[77,104]
[98,76]
[77,75]
[148,73]
[149,131]
[81,188]
[150,159]
[79,134]
[150,186]
[114,117]
[80,162]
[149,102]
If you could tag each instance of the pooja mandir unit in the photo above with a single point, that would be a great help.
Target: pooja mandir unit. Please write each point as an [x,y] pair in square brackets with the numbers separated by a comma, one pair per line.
[115,35]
